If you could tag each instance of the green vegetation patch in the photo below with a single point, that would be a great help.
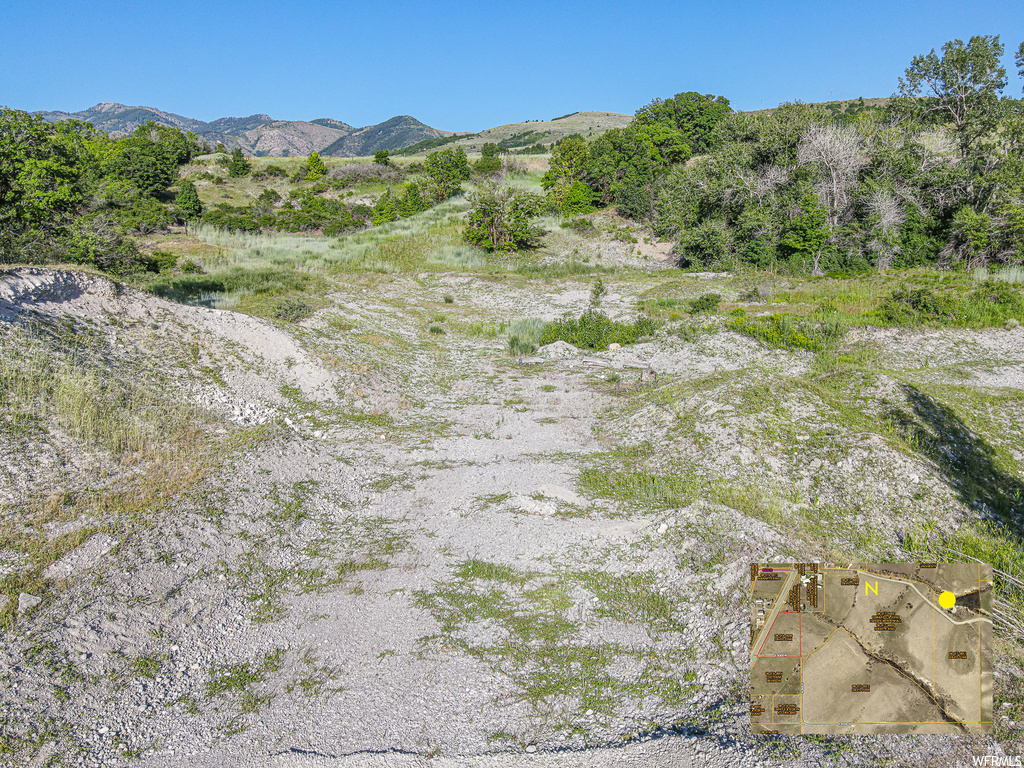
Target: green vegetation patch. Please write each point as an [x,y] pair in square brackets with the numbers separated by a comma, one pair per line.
[991,304]
[595,330]
[193,288]
[787,332]
[531,639]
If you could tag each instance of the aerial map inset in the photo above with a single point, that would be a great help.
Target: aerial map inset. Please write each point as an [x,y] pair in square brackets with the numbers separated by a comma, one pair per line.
[871,648]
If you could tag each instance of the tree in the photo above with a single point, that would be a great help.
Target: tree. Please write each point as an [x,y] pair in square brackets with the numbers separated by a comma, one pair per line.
[490,160]
[385,210]
[805,235]
[836,153]
[238,165]
[961,87]
[382,157]
[621,167]
[188,201]
[692,115]
[500,219]
[1019,61]
[568,162]
[411,201]
[42,171]
[315,167]
[446,169]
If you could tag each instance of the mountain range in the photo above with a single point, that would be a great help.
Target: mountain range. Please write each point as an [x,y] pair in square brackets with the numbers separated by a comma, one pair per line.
[261,135]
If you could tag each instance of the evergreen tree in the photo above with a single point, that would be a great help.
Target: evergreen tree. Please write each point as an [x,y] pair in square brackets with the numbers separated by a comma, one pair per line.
[188,201]
[385,210]
[411,201]
[315,168]
[238,166]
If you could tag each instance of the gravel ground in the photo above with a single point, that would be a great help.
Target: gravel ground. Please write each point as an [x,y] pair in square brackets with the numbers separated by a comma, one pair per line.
[407,568]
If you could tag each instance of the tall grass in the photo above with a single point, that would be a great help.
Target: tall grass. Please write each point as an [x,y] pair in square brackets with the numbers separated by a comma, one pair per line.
[1006,275]
[432,237]
[98,407]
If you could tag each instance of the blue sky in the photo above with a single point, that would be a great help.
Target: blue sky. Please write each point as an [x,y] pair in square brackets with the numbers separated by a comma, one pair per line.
[468,65]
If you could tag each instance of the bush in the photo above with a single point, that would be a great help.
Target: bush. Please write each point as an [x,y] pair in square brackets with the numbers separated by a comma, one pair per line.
[578,200]
[911,306]
[385,210]
[268,171]
[785,332]
[501,219]
[163,261]
[292,310]
[238,165]
[446,169]
[706,303]
[991,304]
[315,168]
[594,330]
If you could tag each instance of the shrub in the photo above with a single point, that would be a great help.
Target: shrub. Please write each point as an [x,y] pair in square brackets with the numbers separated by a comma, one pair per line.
[578,200]
[446,168]
[594,330]
[238,165]
[708,302]
[501,219]
[292,310]
[315,168]
[911,306]
[385,210]
[268,172]
[163,261]
[581,226]
[785,332]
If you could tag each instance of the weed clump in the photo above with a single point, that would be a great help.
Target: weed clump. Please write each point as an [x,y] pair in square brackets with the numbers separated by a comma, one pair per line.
[992,303]
[292,310]
[595,330]
[785,332]
[581,226]
[707,302]
[518,346]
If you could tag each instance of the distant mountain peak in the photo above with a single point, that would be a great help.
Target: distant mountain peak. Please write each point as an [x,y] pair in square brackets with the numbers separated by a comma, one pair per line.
[260,134]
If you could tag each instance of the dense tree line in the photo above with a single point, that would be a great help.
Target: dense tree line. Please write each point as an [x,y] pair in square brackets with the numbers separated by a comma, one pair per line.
[71,193]
[936,176]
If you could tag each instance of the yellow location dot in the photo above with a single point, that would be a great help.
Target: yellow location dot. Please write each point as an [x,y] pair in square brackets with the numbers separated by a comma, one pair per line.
[947,600]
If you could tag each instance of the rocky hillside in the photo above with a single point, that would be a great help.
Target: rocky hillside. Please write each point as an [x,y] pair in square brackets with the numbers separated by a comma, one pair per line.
[262,135]
[396,133]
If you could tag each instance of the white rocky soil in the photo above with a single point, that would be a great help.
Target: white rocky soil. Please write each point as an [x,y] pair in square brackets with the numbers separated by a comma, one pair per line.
[406,558]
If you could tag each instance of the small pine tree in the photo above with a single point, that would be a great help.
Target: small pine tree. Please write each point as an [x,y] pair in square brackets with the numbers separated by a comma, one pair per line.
[188,201]
[315,168]
[411,201]
[238,166]
[382,157]
[385,210]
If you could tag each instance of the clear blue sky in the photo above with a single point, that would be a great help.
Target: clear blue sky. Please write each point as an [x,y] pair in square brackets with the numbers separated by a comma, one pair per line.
[468,65]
